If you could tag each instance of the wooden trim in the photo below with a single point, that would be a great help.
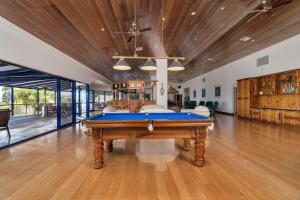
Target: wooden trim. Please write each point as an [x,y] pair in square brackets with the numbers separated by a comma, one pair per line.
[144,123]
[148,57]
[274,74]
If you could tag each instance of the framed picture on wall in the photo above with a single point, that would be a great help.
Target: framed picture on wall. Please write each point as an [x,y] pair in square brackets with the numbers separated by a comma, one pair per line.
[186,92]
[203,92]
[217,91]
[194,93]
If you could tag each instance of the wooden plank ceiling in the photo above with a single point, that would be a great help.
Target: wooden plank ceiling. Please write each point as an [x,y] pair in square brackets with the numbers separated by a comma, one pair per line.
[84,30]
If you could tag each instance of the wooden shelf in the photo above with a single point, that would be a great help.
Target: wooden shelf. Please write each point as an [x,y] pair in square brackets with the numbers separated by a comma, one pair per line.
[268,101]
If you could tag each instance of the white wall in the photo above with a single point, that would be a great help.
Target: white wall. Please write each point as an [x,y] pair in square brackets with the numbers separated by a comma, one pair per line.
[22,48]
[283,56]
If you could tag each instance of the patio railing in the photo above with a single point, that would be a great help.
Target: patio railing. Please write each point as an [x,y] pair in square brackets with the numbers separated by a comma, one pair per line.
[30,109]
[21,109]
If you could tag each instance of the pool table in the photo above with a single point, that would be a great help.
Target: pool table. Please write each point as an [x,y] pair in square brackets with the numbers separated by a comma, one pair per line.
[111,126]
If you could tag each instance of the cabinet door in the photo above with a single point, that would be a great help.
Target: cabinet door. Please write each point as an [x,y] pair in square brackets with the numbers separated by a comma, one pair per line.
[246,105]
[239,89]
[240,107]
[291,118]
[246,89]
[275,116]
[255,113]
[270,115]
[132,85]
[139,84]
[264,115]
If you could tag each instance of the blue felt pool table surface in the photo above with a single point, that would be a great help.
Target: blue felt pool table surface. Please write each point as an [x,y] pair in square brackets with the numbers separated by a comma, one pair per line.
[148,116]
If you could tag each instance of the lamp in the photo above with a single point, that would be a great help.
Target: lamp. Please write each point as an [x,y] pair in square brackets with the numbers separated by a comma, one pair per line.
[176,66]
[121,65]
[149,65]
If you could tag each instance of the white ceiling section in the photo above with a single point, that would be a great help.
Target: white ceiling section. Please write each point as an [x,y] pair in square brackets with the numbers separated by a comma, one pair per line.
[22,48]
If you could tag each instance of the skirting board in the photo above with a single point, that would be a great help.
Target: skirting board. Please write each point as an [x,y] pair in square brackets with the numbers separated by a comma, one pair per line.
[225,113]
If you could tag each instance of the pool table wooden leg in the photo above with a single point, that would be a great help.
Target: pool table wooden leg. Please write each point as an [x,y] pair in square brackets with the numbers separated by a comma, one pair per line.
[199,151]
[98,148]
[186,144]
[109,145]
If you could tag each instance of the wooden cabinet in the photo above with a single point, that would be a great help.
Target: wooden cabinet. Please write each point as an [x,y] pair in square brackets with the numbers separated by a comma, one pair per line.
[290,118]
[243,98]
[134,106]
[136,85]
[270,115]
[273,98]
[255,113]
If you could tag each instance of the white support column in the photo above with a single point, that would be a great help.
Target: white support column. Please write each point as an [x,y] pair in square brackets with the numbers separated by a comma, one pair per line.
[162,82]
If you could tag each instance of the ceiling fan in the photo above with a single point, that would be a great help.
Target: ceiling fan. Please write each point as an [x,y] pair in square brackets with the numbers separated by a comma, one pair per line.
[267,7]
[134,31]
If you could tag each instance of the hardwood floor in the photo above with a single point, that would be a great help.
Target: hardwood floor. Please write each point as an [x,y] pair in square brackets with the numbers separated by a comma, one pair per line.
[245,160]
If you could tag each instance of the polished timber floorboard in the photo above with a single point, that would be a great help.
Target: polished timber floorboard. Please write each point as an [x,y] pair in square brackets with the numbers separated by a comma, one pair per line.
[245,160]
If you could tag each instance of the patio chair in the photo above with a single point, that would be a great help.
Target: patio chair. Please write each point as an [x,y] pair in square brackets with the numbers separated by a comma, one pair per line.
[215,108]
[209,104]
[202,103]
[4,119]
[51,108]
[191,105]
[36,109]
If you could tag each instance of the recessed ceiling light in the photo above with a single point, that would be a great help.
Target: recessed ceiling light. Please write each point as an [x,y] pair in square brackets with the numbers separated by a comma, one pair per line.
[102,29]
[164,19]
[252,40]
[210,59]
[222,8]
[193,13]
[195,38]
[245,38]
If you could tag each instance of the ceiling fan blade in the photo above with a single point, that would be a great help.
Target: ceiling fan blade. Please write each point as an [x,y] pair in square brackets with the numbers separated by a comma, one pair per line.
[281,3]
[253,11]
[130,39]
[253,17]
[120,32]
[146,29]
[270,13]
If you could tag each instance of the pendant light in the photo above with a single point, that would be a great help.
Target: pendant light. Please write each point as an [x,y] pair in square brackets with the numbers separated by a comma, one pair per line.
[176,66]
[149,65]
[121,65]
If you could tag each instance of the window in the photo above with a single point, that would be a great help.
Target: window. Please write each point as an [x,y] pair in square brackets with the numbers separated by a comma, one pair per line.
[217,91]
[203,91]
[194,94]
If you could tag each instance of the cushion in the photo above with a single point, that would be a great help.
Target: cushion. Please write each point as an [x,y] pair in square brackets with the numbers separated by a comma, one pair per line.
[157,110]
[109,109]
[149,107]
[122,111]
[201,109]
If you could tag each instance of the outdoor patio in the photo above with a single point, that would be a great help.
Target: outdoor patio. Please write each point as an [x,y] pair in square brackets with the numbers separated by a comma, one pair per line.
[26,126]
[23,127]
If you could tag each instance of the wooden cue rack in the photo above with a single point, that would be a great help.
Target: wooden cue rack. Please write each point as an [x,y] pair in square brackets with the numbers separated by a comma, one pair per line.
[273,98]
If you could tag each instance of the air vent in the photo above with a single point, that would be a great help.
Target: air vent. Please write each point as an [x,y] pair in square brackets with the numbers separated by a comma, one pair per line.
[262,61]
